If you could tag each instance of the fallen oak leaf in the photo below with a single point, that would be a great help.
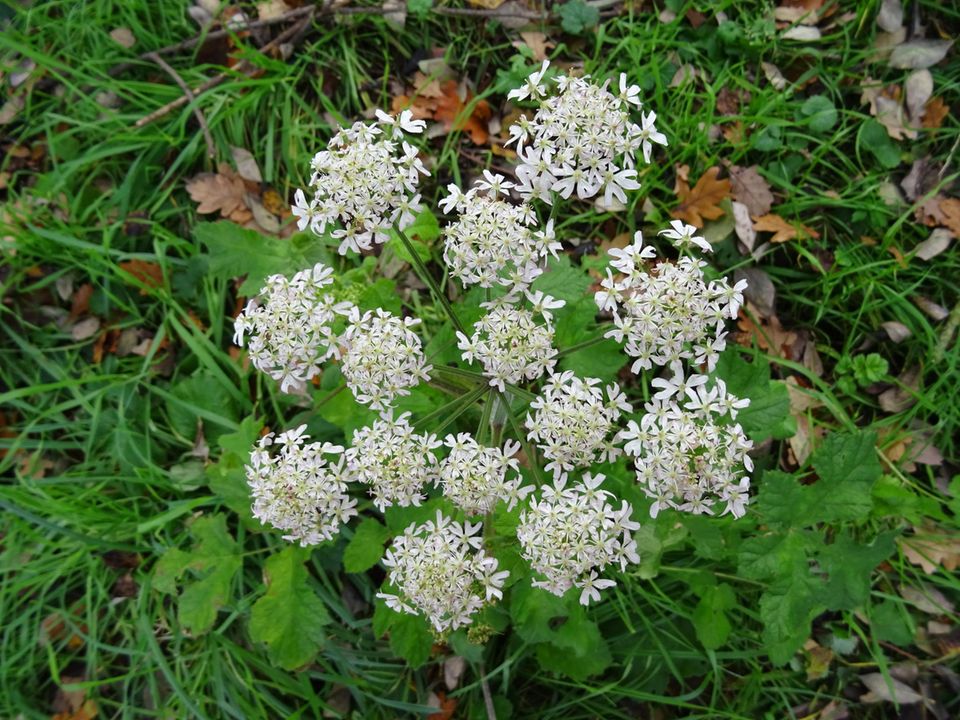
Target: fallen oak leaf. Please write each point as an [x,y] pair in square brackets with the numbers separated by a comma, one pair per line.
[702,201]
[221,192]
[782,230]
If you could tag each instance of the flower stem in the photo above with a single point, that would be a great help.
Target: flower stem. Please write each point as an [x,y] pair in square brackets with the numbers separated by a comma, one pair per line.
[581,345]
[429,280]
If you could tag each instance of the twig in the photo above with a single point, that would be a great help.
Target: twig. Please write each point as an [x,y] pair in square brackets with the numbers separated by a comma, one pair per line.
[290,32]
[487,696]
[191,98]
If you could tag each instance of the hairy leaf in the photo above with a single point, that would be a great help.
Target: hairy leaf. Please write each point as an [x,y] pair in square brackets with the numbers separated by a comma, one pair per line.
[290,617]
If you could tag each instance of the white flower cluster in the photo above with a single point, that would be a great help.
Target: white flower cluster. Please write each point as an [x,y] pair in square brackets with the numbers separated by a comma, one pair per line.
[669,311]
[298,490]
[573,533]
[581,139]
[441,570]
[475,478]
[573,425]
[687,456]
[493,242]
[364,182]
[509,342]
[291,333]
[394,461]
[383,358]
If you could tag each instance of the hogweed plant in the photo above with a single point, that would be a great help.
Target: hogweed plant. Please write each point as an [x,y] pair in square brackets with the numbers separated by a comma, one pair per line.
[688,454]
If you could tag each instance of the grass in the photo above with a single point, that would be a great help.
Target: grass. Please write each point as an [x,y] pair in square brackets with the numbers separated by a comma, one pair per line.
[100,468]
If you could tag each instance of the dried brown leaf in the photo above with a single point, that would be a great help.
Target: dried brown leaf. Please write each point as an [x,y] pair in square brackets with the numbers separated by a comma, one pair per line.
[148,273]
[781,229]
[702,201]
[751,189]
[538,43]
[123,37]
[217,192]
[934,113]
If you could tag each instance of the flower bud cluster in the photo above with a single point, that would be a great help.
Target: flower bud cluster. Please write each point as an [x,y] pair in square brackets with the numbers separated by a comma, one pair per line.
[581,139]
[476,478]
[441,570]
[572,533]
[383,358]
[394,461]
[299,490]
[364,182]
[687,455]
[291,333]
[573,425]
[492,241]
[667,312]
[510,343]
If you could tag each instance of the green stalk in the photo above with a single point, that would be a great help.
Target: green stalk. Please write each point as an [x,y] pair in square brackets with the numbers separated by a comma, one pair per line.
[429,280]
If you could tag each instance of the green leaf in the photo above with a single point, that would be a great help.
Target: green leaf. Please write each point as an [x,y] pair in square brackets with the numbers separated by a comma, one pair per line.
[564,281]
[576,16]
[212,564]
[848,467]
[710,617]
[873,138]
[769,399]
[227,477]
[891,622]
[345,412]
[419,8]
[536,613]
[849,566]
[577,650]
[290,617]
[366,546]
[603,360]
[200,397]
[234,251]
[768,556]
[821,113]
[411,638]
[786,610]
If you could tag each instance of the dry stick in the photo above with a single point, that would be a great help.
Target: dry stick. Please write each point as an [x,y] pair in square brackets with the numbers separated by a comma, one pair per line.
[217,79]
[487,696]
[191,98]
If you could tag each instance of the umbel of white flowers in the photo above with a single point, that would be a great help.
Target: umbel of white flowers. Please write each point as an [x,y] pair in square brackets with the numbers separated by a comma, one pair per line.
[687,450]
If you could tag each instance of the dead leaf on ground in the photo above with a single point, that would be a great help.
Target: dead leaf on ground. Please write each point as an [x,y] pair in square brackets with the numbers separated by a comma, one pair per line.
[937,243]
[85,329]
[743,226]
[918,89]
[887,689]
[537,42]
[781,229]
[933,310]
[931,549]
[934,113]
[702,201]
[917,54]
[768,335]
[247,167]
[449,110]
[950,210]
[87,711]
[123,37]
[750,188]
[148,273]
[221,191]
[903,395]
[444,705]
